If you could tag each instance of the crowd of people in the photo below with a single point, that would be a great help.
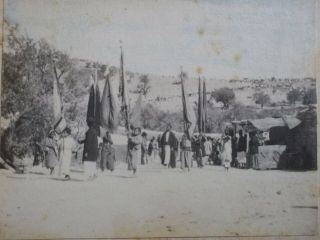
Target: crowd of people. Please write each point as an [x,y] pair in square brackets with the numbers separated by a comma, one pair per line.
[98,153]
[229,150]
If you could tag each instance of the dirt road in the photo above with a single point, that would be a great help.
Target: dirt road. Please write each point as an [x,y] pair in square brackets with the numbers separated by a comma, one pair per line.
[159,202]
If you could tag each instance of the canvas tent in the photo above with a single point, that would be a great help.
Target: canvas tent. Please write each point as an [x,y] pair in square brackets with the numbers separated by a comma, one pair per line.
[278,130]
[302,141]
[266,124]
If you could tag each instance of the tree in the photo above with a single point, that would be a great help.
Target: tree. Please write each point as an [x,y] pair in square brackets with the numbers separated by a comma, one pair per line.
[294,95]
[144,85]
[224,95]
[150,115]
[27,79]
[61,64]
[310,96]
[261,98]
[23,95]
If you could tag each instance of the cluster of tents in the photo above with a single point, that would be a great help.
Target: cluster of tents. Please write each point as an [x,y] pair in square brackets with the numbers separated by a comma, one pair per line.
[289,142]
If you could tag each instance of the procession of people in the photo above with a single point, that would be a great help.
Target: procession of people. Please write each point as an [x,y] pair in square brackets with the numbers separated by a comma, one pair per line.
[169,150]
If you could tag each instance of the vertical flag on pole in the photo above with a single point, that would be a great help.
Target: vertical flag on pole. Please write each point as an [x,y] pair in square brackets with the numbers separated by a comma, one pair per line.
[204,104]
[57,106]
[136,113]
[93,111]
[125,105]
[124,94]
[59,121]
[200,107]
[189,116]
[109,106]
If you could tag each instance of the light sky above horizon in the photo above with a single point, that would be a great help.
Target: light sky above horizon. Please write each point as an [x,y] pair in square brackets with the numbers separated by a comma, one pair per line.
[227,39]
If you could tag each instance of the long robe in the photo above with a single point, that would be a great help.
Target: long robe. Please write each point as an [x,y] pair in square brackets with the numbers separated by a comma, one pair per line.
[144,151]
[91,150]
[51,152]
[67,145]
[227,153]
[185,153]
[108,157]
[168,148]
[134,151]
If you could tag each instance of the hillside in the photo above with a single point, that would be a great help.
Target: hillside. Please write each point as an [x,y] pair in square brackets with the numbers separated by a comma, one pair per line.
[165,90]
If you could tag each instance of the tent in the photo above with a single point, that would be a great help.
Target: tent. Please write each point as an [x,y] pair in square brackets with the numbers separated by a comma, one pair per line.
[271,153]
[278,128]
[266,124]
[302,142]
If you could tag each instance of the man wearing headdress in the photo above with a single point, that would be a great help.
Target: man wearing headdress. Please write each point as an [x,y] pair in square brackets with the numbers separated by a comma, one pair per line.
[169,144]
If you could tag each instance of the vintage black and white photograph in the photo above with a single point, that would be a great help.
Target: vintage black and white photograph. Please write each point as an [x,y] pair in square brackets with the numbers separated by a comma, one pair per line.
[159,119]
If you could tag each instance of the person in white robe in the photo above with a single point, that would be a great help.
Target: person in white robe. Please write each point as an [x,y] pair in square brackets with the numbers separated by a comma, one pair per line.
[226,152]
[135,141]
[66,146]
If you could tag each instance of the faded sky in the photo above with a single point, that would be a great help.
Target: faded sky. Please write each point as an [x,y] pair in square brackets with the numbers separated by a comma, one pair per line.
[227,39]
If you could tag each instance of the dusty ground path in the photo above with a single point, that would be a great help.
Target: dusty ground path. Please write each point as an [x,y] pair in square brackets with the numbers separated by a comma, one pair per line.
[159,202]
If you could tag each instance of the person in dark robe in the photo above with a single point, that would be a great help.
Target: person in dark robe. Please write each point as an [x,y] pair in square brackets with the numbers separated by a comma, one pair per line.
[151,148]
[254,150]
[174,153]
[242,149]
[160,148]
[199,151]
[91,151]
[108,156]
[38,154]
[168,144]
[215,151]
[194,140]
[234,147]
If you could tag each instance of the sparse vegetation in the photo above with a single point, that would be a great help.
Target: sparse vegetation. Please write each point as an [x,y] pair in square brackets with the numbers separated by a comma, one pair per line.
[310,96]
[144,85]
[224,95]
[294,95]
[261,98]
